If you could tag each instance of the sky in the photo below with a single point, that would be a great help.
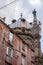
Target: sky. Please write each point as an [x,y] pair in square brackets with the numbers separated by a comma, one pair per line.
[26,7]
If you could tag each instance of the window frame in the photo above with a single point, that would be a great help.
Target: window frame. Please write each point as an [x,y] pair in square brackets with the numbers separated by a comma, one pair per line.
[11,51]
[23,46]
[6,63]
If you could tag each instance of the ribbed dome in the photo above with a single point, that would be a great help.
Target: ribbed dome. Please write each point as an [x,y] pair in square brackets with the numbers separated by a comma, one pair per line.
[21,22]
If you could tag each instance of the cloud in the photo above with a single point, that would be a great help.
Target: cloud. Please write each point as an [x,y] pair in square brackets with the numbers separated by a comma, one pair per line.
[13,11]
[35,3]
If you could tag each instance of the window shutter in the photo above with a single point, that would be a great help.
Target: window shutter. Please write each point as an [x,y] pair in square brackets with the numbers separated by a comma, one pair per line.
[10,36]
[11,53]
[32,54]
[7,50]
[23,47]
[23,60]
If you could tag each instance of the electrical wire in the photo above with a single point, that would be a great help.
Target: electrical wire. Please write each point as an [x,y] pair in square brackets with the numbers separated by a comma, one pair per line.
[7,4]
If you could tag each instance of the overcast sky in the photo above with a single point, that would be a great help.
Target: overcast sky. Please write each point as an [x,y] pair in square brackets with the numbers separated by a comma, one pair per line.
[23,6]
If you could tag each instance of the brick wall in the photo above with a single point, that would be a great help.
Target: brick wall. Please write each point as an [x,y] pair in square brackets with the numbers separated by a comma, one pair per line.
[4,36]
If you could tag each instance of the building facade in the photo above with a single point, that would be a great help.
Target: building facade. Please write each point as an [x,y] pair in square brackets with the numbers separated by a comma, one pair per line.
[6,46]
[19,42]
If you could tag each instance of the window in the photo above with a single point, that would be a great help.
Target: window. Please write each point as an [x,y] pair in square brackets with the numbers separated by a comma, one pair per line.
[23,30]
[9,52]
[23,47]
[32,63]
[6,63]
[29,38]
[10,36]
[32,54]
[23,60]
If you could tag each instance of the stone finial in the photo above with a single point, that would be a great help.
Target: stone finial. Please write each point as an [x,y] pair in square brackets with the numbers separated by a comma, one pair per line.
[21,15]
[35,16]
[34,12]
